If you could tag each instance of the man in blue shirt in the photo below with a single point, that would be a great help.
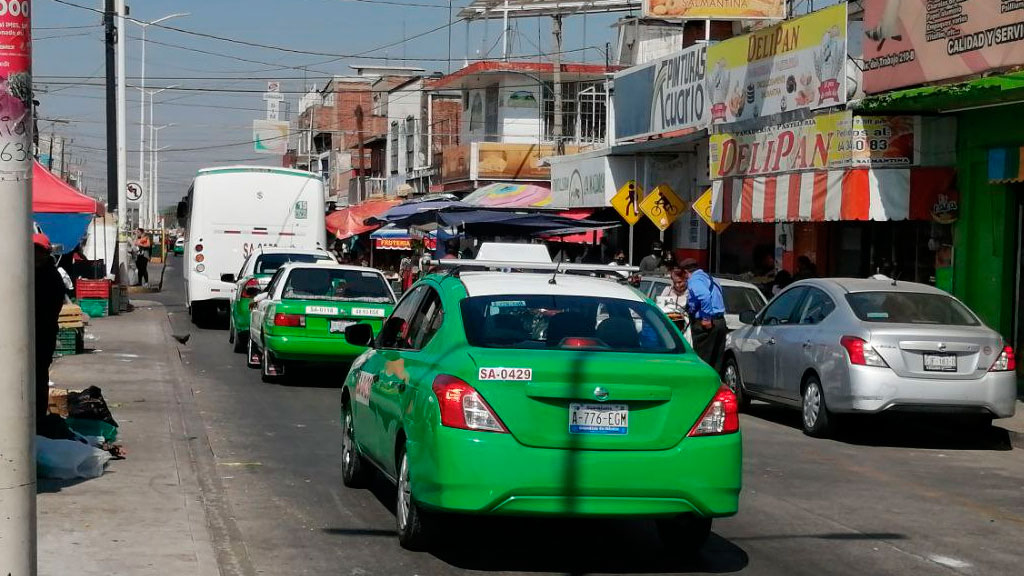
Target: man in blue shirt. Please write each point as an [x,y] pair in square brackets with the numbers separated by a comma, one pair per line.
[706,306]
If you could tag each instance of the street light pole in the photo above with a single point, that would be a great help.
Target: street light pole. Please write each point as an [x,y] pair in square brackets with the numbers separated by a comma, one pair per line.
[142,108]
[122,151]
[154,162]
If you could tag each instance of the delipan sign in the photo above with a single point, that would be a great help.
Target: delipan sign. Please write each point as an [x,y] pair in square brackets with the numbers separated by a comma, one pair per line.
[910,42]
[800,63]
[826,141]
[715,9]
[662,96]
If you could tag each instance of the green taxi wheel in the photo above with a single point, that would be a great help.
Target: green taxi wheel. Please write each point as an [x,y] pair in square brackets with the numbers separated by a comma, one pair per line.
[684,534]
[355,470]
[238,341]
[414,523]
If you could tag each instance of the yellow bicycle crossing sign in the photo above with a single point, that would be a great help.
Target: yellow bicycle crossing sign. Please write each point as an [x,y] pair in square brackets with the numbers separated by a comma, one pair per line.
[662,206]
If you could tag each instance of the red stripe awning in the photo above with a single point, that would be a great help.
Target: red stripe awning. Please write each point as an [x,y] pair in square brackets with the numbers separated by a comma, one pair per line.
[834,195]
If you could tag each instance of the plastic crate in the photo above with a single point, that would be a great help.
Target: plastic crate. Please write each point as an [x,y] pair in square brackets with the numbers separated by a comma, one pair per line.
[94,289]
[94,307]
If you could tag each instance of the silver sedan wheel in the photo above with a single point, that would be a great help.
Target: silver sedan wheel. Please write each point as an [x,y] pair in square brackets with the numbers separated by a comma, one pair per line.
[812,405]
[347,444]
[732,377]
[404,494]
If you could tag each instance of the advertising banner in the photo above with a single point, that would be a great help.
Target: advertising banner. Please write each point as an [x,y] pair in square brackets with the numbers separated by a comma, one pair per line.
[800,63]
[15,88]
[270,137]
[715,9]
[910,42]
[580,184]
[837,140]
[665,95]
[501,161]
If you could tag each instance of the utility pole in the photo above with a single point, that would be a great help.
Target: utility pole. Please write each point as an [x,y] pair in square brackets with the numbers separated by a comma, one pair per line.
[122,151]
[17,347]
[556,33]
[111,59]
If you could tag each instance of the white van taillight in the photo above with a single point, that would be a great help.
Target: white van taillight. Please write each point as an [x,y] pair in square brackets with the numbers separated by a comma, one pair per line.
[199,247]
[1006,362]
[722,415]
[200,257]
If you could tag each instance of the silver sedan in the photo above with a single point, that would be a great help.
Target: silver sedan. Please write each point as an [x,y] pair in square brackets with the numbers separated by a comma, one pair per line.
[866,346]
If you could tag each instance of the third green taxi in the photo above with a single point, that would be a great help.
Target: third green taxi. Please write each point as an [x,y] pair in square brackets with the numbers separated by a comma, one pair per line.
[498,392]
[302,314]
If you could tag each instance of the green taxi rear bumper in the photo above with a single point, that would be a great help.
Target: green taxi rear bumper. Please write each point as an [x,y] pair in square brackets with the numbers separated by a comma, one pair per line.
[312,349]
[490,473]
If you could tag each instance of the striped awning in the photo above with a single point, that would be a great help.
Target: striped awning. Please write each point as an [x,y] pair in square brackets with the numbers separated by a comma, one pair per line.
[833,195]
[1005,165]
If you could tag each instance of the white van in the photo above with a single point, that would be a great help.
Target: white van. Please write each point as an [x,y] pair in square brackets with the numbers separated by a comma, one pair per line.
[235,210]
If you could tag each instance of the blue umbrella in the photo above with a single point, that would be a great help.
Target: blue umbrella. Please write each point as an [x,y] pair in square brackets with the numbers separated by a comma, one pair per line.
[417,213]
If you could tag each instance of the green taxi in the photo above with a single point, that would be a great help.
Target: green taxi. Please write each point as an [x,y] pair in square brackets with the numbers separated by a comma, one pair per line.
[302,314]
[539,394]
[252,278]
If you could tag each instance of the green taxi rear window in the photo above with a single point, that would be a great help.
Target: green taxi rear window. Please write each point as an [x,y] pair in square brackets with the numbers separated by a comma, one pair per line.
[568,322]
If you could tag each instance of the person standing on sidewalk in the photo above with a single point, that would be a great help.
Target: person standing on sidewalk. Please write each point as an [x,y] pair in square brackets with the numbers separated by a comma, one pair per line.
[49,299]
[144,247]
[706,306]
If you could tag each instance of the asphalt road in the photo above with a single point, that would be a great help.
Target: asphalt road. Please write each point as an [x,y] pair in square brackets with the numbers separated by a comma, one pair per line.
[890,496]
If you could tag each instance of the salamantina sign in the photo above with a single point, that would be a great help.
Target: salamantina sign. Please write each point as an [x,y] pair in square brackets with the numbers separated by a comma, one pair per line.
[662,96]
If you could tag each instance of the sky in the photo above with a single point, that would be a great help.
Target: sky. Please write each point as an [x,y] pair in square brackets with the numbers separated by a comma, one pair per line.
[219,84]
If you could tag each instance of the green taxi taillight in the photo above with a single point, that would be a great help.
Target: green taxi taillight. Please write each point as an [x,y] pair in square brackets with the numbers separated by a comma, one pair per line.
[289,320]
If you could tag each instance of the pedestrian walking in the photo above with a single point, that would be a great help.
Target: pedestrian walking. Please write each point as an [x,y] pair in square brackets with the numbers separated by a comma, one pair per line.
[49,299]
[672,302]
[651,262]
[144,251]
[706,306]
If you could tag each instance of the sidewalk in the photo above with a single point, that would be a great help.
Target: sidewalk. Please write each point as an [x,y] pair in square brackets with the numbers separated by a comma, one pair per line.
[145,515]
[1014,426]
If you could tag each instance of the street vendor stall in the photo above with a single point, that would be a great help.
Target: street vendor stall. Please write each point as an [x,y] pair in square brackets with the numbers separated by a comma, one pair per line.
[61,211]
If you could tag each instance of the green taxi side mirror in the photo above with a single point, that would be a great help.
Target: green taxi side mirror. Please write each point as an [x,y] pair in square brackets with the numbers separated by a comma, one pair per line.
[359,335]
[230,278]
[748,317]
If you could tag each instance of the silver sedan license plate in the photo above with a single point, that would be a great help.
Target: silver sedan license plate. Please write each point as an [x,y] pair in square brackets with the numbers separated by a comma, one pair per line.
[940,362]
[338,326]
[598,418]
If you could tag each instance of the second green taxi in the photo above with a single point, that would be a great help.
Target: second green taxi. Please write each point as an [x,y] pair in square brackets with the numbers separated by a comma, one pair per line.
[302,314]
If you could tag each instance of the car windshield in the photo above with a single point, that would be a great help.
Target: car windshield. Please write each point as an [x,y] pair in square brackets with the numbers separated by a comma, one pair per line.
[269,263]
[910,308]
[336,284]
[740,299]
[568,322]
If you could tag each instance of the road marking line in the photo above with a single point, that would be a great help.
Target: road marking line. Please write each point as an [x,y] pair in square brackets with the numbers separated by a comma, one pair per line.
[948,562]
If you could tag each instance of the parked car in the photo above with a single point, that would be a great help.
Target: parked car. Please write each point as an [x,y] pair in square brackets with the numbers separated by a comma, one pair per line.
[837,345]
[738,296]
[523,394]
[252,278]
[302,314]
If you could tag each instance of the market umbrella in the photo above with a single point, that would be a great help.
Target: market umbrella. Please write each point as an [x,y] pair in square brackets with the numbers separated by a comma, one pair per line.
[416,213]
[352,220]
[504,223]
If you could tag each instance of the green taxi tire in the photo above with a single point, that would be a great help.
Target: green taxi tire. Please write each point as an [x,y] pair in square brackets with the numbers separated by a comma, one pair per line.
[685,534]
[415,525]
[355,470]
[238,340]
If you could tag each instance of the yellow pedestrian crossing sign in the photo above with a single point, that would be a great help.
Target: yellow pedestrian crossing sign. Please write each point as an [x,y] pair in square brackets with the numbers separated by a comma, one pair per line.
[627,202]
[662,206]
[703,209]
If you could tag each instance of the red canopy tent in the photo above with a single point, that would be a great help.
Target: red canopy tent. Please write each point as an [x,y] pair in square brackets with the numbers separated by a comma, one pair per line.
[52,195]
[348,222]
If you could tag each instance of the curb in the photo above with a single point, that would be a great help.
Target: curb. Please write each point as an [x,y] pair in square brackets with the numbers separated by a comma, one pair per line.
[1016,437]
